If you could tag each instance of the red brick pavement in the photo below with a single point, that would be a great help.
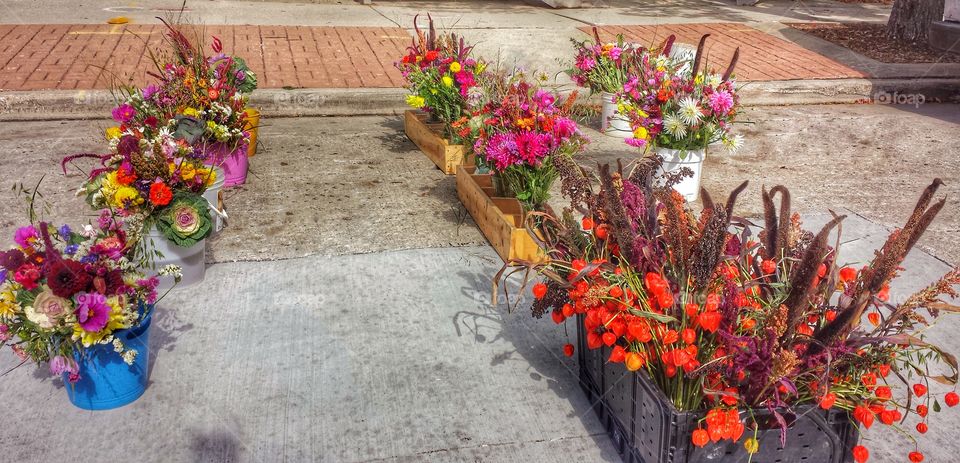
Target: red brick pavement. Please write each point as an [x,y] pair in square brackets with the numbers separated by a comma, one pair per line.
[762,56]
[56,56]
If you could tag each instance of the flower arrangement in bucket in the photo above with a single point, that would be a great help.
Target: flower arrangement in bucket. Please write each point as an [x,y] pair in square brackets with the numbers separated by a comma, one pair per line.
[442,77]
[524,130]
[200,99]
[156,186]
[680,109]
[604,69]
[729,327]
[73,300]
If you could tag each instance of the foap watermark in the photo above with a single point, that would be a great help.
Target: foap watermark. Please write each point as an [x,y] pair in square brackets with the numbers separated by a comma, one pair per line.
[299,100]
[897,98]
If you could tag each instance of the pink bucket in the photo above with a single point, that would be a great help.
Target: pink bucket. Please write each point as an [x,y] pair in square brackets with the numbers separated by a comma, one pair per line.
[234,162]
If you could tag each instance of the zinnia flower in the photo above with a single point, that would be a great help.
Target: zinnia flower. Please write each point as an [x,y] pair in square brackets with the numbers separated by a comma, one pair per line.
[447,81]
[160,194]
[68,277]
[123,113]
[455,67]
[93,312]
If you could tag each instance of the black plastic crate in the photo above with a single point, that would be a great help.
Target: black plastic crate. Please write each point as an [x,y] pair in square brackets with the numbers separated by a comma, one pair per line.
[646,428]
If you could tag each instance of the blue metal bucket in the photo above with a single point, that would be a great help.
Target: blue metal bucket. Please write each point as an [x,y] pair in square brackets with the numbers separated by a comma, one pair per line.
[106,381]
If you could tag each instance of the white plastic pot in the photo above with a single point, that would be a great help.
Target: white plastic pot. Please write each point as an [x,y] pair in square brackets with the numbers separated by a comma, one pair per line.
[674,160]
[611,122]
[191,260]
[214,196]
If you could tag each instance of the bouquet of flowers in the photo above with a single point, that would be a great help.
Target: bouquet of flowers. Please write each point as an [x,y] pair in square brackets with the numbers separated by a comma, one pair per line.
[153,182]
[441,76]
[725,324]
[676,106]
[601,67]
[63,291]
[197,98]
[523,130]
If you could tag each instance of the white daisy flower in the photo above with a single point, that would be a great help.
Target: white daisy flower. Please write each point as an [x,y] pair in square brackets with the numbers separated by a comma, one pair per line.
[732,144]
[674,126]
[689,111]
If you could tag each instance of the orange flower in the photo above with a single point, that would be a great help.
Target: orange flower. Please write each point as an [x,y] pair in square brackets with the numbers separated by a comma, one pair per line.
[160,194]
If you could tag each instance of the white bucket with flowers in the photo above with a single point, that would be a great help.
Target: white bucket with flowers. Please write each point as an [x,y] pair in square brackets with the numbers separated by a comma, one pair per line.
[612,121]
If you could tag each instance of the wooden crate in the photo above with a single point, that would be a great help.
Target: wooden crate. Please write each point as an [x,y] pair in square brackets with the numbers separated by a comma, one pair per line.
[429,138]
[500,219]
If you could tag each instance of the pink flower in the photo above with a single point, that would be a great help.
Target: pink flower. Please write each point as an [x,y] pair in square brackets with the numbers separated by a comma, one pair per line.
[720,102]
[93,313]
[27,275]
[60,365]
[637,142]
[4,333]
[123,113]
[25,236]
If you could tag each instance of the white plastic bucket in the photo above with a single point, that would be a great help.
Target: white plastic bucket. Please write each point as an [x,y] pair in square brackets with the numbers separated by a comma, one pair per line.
[674,160]
[214,196]
[611,122]
[191,260]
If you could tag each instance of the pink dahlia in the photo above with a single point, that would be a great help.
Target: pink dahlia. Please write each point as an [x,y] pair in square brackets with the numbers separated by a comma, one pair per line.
[720,102]
[26,236]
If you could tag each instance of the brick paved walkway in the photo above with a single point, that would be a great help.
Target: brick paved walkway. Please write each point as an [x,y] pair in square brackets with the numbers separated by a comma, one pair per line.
[35,57]
[762,56]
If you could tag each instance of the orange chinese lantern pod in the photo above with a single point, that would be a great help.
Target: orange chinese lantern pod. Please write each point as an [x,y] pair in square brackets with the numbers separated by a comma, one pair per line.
[861,454]
[828,400]
[922,428]
[587,223]
[919,389]
[768,266]
[539,290]
[915,457]
[634,361]
[848,274]
[951,399]
[568,350]
[700,437]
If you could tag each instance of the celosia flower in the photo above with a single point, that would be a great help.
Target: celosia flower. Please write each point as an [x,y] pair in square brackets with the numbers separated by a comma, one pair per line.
[92,312]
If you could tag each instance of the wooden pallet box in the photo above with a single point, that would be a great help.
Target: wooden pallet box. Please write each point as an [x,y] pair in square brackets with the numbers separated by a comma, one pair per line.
[429,138]
[500,219]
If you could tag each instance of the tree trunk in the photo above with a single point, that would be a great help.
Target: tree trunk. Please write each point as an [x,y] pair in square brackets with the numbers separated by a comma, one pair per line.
[910,19]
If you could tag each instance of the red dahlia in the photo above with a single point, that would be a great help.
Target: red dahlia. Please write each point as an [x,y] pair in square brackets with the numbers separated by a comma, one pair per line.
[67,277]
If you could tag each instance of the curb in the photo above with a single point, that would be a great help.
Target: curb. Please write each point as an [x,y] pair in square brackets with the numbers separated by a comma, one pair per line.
[96,104]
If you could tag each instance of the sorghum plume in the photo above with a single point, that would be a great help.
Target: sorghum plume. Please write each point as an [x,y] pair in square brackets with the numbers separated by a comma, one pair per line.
[804,272]
[709,249]
[783,228]
[676,228]
[573,183]
[732,199]
[668,45]
[776,227]
[616,214]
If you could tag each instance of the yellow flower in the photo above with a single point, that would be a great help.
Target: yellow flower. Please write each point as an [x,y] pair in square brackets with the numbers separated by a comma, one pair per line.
[117,321]
[113,133]
[751,445]
[455,67]
[8,302]
[640,133]
[126,195]
[447,81]
[433,91]
[415,101]
[698,80]
[187,171]
[480,67]
[207,173]
[192,112]
[211,125]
